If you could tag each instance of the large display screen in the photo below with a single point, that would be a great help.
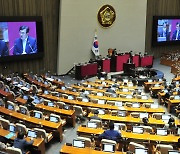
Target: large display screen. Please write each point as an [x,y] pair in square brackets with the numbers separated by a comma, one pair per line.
[166,30]
[21,38]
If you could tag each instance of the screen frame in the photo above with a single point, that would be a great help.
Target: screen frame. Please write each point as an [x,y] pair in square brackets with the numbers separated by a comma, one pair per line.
[39,37]
[154,31]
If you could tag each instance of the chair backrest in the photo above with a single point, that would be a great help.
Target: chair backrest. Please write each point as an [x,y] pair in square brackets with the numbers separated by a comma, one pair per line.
[11,106]
[128,104]
[135,114]
[111,103]
[79,98]
[21,128]
[163,148]
[147,129]
[86,139]
[56,116]
[158,116]
[38,114]
[23,110]
[133,145]
[41,133]
[78,110]
[147,105]
[94,101]
[65,96]
[12,150]
[34,89]
[4,123]
[60,104]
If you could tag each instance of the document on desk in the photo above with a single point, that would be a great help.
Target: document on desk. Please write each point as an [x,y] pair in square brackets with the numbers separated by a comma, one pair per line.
[11,134]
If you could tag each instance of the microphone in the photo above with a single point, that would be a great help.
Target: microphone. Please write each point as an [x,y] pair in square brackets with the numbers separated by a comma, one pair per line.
[34,51]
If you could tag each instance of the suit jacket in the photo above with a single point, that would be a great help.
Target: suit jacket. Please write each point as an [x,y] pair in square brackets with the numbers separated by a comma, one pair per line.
[111,135]
[174,35]
[22,144]
[3,49]
[31,46]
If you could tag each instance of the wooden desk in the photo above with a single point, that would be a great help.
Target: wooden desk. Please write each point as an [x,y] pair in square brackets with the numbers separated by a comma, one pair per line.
[73,150]
[47,125]
[122,99]
[21,100]
[33,81]
[68,92]
[145,136]
[70,114]
[177,78]
[129,119]
[8,95]
[172,103]
[39,143]
[103,106]
[147,85]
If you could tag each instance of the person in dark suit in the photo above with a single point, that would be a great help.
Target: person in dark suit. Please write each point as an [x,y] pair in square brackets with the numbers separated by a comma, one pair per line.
[25,44]
[111,134]
[3,49]
[176,33]
[21,143]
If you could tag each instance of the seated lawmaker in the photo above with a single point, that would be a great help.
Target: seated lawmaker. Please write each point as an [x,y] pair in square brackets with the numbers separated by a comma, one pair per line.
[95,116]
[111,134]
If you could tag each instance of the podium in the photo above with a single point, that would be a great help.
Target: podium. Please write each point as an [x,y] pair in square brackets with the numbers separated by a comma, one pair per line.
[129,68]
[85,70]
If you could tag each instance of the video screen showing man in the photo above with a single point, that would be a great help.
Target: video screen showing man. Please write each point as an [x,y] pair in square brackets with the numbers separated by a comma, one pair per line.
[25,44]
[3,49]
[176,33]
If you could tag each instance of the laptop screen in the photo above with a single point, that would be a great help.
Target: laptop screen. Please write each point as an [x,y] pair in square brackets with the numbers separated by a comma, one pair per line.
[121,113]
[137,129]
[70,97]
[144,97]
[10,107]
[12,128]
[142,115]
[161,131]
[129,96]
[85,100]
[32,133]
[119,104]
[50,104]
[178,131]
[108,147]
[99,94]
[37,115]
[63,88]
[25,97]
[141,151]
[176,97]
[101,111]
[22,110]
[53,119]
[78,143]
[101,101]
[125,90]
[136,105]
[116,126]
[154,106]
[91,124]
[173,152]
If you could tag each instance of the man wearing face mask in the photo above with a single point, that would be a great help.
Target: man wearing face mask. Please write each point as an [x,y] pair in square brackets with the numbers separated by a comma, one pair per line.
[25,44]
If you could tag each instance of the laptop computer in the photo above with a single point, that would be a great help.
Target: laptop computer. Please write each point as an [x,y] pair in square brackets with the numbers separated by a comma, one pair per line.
[143,114]
[37,115]
[101,111]
[78,143]
[136,105]
[10,107]
[173,152]
[107,147]
[32,133]
[161,131]
[53,119]
[51,104]
[141,150]
[91,124]
[12,128]
[137,129]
